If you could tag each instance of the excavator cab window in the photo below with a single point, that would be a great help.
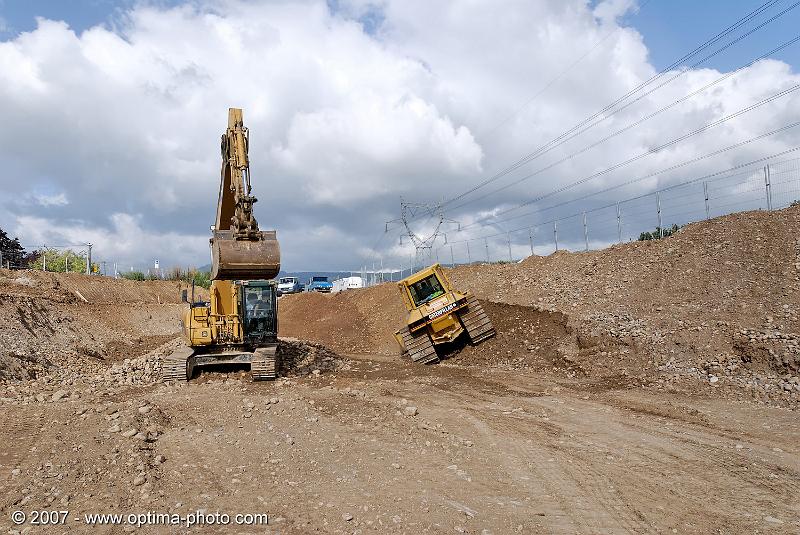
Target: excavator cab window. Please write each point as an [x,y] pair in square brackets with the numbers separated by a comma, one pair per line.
[426,289]
[259,312]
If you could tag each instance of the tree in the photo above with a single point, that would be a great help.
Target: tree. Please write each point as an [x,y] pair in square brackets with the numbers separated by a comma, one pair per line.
[12,252]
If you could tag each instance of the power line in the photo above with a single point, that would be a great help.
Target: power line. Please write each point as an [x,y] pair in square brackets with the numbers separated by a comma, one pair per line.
[558,139]
[630,125]
[712,176]
[650,175]
[646,153]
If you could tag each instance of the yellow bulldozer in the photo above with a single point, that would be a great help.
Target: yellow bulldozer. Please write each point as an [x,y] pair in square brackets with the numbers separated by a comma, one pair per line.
[239,322]
[438,314]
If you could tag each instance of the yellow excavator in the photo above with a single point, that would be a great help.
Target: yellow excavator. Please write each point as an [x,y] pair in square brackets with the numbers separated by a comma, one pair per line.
[438,314]
[239,322]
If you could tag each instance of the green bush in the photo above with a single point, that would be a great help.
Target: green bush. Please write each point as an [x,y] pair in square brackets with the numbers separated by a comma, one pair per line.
[200,278]
[658,233]
[133,275]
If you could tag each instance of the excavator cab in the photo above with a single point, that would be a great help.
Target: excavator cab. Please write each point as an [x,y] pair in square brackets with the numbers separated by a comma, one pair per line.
[258,307]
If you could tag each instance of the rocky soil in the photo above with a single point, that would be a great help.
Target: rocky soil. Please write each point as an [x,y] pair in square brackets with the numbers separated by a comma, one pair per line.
[646,388]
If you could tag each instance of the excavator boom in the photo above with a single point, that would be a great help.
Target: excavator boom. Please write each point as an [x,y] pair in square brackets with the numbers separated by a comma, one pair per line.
[239,250]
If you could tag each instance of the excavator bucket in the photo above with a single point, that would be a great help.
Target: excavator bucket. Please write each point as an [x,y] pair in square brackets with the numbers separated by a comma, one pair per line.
[233,259]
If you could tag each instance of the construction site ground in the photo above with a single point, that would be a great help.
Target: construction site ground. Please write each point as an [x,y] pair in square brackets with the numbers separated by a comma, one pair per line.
[650,387]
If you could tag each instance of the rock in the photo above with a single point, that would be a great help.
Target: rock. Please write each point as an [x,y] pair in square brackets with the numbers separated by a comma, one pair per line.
[713,379]
[772,520]
[59,394]
[114,429]
[139,480]
[347,517]
[410,410]
[145,409]
[129,433]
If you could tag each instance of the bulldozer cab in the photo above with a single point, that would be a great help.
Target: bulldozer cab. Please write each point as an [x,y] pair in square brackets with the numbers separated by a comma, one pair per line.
[424,287]
[258,305]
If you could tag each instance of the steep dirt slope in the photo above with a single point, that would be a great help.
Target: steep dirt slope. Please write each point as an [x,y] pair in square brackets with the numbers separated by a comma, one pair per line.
[720,298]
[72,321]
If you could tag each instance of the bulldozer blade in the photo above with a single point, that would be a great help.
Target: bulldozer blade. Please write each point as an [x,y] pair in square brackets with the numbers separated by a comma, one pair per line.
[233,259]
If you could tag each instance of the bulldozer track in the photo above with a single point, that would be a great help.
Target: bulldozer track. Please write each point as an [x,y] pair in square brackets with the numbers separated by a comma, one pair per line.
[264,367]
[478,325]
[174,367]
[419,347]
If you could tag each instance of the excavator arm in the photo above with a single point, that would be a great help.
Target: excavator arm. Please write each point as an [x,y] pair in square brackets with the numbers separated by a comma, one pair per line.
[239,250]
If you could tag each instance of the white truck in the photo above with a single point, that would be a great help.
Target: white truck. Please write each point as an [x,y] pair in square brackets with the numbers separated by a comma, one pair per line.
[289,285]
[347,283]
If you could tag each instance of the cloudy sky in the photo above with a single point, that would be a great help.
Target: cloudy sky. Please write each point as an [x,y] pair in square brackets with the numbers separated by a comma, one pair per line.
[111,114]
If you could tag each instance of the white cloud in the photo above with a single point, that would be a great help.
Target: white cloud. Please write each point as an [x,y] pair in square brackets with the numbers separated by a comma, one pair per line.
[59,199]
[343,122]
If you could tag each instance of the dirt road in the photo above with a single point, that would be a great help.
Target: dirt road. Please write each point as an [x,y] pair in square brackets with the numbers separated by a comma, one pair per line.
[488,451]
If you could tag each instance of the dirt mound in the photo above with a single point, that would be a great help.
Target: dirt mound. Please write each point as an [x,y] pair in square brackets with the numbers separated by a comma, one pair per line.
[682,300]
[73,287]
[676,305]
[71,320]
[543,340]
[298,358]
[354,321]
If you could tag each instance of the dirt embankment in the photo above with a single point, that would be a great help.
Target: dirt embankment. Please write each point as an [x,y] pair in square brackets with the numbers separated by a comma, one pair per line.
[76,322]
[718,299]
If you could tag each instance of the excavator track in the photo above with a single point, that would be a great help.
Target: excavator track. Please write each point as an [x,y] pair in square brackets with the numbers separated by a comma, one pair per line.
[174,368]
[419,347]
[478,325]
[264,365]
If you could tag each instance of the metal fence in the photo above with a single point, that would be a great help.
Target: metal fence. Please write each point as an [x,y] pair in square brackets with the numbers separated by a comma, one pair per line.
[770,187]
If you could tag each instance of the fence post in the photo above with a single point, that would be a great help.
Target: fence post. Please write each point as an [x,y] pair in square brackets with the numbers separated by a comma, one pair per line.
[452,258]
[44,258]
[508,238]
[89,259]
[585,232]
[469,255]
[705,194]
[658,207]
[1,258]
[619,225]
[486,242]
[555,233]
[768,186]
[530,237]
